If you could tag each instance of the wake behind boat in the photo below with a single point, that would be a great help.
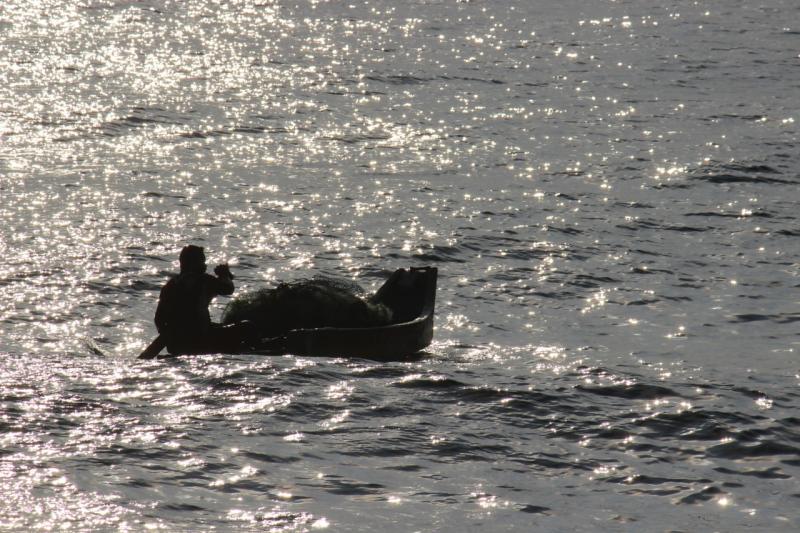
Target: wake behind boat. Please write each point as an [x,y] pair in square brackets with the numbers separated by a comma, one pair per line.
[409,297]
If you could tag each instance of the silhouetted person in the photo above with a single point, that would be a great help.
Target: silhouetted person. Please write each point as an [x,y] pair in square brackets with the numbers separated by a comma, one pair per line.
[182,316]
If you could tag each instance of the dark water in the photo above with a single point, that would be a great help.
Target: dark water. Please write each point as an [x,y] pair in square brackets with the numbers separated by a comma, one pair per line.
[609,192]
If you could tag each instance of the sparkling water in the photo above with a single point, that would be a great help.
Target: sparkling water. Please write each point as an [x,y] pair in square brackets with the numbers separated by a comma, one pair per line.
[609,190]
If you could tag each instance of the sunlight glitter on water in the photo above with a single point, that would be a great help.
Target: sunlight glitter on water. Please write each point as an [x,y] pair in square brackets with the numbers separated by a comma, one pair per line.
[580,173]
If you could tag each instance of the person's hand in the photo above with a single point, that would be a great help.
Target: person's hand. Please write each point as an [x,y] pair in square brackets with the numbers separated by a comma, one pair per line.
[223,271]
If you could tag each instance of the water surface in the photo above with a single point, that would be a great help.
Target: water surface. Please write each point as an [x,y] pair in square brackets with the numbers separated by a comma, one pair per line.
[608,191]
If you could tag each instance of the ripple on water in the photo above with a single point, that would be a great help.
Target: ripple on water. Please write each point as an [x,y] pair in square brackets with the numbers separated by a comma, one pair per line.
[144,431]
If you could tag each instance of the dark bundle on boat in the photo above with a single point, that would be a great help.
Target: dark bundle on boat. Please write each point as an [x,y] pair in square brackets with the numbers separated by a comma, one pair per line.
[307,304]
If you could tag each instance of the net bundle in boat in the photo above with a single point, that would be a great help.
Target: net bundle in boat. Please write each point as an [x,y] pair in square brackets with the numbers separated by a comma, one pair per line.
[306,303]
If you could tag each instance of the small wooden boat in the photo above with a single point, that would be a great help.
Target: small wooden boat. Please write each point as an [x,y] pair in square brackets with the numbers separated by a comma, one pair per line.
[411,296]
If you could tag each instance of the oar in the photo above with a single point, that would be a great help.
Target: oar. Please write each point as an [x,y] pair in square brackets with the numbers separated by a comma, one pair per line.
[94,348]
[153,349]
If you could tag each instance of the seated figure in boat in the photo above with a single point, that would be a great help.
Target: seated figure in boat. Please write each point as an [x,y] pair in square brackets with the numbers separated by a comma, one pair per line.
[182,316]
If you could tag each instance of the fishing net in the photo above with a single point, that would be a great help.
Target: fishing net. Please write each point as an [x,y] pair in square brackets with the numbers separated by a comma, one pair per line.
[307,303]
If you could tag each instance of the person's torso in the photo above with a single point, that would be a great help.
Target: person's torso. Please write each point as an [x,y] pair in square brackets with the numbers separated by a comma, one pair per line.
[188,297]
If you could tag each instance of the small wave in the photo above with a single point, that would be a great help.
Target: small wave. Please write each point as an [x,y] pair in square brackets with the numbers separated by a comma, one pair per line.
[441,254]
[194,135]
[654,480]
[757,214]
[382,372]
[651,224]
[269,457]
[671,185]
[140,117]
[686,425]
[773,472]
[535,509]
[702,496]
[154,194]
[563,230]
[634,205]
[353,488]
[737,450]
[734,178]
[249,129]
[458,451]
[224,132]
[589,281]
[784,318]
[749,118]
[525,401]
[636,391]
[355,139]
[479,80]
[729,173]
[547,462]
[402,79]
[429,383]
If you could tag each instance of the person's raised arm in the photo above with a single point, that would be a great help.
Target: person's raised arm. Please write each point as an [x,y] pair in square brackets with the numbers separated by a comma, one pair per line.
[224,280]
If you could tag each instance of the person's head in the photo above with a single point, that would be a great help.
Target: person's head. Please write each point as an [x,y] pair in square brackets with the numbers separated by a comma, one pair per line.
[193,259]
